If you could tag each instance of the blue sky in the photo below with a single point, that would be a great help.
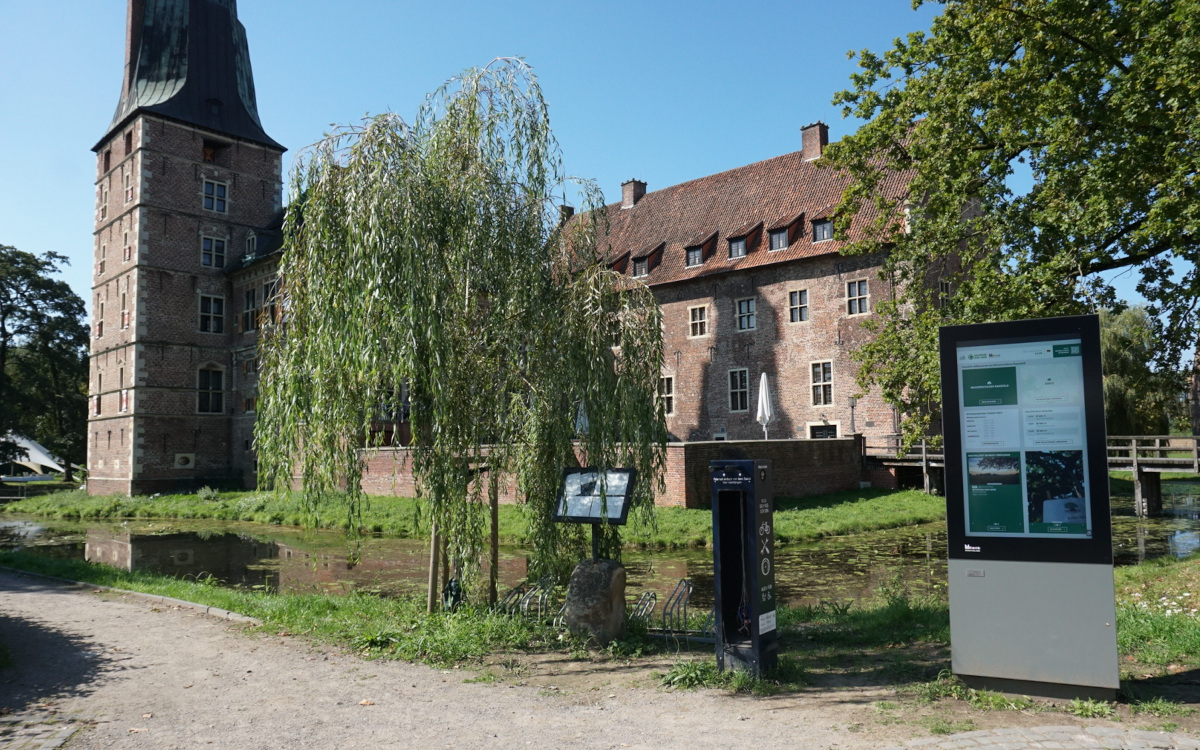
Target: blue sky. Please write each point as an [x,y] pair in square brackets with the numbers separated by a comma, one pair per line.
[660,91]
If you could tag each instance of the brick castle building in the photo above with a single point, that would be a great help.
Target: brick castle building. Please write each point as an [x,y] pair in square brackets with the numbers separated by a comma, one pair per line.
[188,211]
[189,190]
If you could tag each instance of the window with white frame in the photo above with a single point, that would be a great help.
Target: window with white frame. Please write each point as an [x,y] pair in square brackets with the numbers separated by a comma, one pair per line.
[210,391]
[822,230]
[698,321]
[270,301]
[127,183]
[737,248]
[779,239]
[856,298]
[695,256]
[250,310]
[212,314]
[215,196]
[124,310]
[746,318]
[100,322]
[666,393]
[641,266]
[104,200]
[822,383]
[127,253]
[798,306]
[212,252]
[739,390]
[251,243]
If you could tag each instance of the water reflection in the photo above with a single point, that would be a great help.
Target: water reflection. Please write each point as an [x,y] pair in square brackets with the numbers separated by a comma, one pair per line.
[290,560]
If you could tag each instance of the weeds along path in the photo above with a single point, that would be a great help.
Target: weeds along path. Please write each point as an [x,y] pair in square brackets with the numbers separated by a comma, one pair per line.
[141,676]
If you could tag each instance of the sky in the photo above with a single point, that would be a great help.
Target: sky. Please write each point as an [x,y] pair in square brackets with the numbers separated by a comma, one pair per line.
[661,91]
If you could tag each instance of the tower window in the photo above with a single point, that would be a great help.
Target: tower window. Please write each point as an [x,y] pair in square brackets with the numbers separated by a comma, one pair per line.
[215,196]
[212,252]
[129,143]
[212,314]
[250,310]
[210,391]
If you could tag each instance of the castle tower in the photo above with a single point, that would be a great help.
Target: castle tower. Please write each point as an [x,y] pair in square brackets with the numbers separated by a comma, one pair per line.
[188,205]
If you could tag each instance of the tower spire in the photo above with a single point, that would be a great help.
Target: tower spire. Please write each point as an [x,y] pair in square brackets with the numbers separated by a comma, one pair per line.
[188,60]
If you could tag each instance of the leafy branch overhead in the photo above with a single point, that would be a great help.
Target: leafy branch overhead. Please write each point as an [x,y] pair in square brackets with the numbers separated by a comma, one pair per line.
[427,268]
[1096,103]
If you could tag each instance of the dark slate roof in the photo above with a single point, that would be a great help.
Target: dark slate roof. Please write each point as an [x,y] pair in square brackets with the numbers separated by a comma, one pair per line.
[749,201]
[269,244]
[191,63]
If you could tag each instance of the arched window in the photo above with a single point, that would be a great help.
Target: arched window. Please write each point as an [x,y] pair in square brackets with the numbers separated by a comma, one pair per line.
[210,390]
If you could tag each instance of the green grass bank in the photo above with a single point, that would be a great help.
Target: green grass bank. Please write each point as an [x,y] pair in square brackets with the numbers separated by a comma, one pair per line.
[797,520]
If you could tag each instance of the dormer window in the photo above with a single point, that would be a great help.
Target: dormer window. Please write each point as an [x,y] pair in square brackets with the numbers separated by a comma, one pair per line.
[251,244]
[822,230]
[695,256]
[641,267]
[737,248]
[779,239]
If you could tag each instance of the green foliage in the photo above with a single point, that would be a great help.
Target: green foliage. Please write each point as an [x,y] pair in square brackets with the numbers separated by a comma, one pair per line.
[1138,399]
[206,494]
[1096,102]
[802,519]
[43,356]
[427,268]
[1160,707]
[1090,708]
[691,674]
[939,725]
[1157,622]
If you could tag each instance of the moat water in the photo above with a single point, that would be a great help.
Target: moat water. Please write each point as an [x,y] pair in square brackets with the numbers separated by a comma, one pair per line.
[285,559]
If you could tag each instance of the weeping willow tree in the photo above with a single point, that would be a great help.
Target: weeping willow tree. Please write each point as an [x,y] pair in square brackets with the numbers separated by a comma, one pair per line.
[428,264]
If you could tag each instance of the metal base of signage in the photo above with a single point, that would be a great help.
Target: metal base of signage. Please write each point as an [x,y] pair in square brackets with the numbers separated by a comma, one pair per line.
[1034,623]
[1051,690]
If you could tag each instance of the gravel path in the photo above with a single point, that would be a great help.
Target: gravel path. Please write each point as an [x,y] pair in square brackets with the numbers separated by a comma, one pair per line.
[133,674]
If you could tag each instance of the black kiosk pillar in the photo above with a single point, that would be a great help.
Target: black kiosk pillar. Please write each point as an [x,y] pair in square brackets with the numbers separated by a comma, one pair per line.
[744,565]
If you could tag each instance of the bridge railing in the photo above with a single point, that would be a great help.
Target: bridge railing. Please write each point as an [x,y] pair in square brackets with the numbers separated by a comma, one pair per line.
[1161,451]
[888,446]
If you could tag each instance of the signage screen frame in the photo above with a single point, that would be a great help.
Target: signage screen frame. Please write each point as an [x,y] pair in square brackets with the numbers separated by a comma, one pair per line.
[980,545]
[563,513]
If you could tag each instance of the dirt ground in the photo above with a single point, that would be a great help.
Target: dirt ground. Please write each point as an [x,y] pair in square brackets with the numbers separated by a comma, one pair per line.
[138,675]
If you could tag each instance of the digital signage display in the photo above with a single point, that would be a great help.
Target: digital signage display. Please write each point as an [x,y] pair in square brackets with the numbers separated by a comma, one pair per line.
[1026,464]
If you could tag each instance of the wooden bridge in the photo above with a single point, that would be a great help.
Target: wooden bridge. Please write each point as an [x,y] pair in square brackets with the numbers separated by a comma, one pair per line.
[1148,457]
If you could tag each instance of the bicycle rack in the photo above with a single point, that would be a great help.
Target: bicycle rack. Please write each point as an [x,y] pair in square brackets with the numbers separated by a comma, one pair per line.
[644,606]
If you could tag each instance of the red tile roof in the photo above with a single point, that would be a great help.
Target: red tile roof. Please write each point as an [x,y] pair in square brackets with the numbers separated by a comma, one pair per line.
[756,198]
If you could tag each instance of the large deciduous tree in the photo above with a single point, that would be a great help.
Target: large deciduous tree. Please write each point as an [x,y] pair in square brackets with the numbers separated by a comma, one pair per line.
[43,356]
[430,263]
[1097,104]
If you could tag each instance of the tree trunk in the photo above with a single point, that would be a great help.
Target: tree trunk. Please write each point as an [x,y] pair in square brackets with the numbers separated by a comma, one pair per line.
[494,551]
[432,594]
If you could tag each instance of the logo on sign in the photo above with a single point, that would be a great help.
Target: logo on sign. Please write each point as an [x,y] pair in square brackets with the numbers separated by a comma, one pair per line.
[971,548]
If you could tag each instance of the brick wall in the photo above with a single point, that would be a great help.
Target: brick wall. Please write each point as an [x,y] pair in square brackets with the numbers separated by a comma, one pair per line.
[784,350]
[146,432]
[802,467]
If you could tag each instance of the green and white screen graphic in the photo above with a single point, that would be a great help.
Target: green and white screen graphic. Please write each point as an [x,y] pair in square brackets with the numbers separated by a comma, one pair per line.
[1024,450]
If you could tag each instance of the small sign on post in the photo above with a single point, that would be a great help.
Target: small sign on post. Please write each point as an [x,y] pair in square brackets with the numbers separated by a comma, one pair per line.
[595,496]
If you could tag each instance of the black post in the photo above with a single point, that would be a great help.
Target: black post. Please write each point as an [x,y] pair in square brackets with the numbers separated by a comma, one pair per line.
[595,542]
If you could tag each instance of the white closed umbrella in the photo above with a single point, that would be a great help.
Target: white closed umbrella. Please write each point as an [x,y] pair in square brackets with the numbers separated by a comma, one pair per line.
[764,404]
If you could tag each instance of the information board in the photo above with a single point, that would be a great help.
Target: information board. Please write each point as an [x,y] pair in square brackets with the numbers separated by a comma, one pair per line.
[592,495]
[1026,463]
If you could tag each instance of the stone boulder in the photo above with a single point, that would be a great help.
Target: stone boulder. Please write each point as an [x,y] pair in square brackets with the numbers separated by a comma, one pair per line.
[596,601]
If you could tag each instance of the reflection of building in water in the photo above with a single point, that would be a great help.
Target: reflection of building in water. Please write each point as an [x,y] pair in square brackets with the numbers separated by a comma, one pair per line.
[389,567]
[234,559]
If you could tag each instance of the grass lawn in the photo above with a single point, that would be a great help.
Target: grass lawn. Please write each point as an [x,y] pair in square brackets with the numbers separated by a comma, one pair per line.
[797,520]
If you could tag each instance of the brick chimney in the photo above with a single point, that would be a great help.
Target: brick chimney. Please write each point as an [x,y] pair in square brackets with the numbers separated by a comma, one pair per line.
[564,214]
[815,139]
[632,192]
